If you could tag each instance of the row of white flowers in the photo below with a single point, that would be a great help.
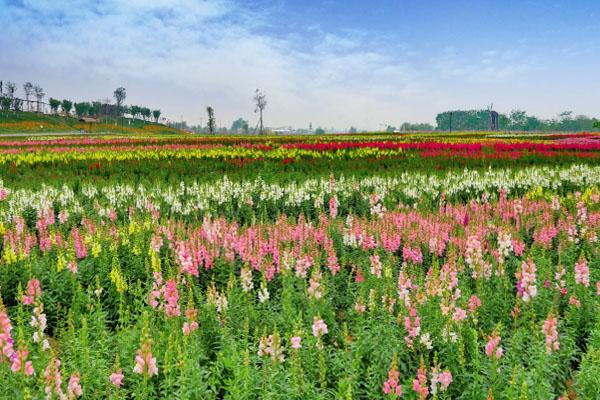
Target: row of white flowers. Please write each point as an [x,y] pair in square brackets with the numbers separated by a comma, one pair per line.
[214,196]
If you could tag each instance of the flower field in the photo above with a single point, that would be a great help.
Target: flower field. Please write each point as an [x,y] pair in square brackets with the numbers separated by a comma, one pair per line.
[378,266]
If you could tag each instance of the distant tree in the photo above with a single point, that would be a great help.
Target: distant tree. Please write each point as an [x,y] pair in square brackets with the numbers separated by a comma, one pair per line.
[146,113]
[390,129]
[238,124]
[597,124]
[156,115]
[5,102]
[120,95]
[245,128]
[260,100]
[54,104]
[67,106]
[82,109]
[28,89]
[211,119]
[319,131]
[135,111]
[352,130]
[95,108]
[410,127]
[11,89]
[39,95]
[17,104]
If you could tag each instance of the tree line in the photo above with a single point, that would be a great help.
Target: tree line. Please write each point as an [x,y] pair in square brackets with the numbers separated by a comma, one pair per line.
[516,120]
[10,102]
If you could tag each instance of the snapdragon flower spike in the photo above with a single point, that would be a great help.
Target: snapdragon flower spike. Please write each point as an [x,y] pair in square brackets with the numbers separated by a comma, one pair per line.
[550,330]
[582,273]
[444,379]
[74,389]
[6,341]
[420,383]
[20,362]
[492,347]
[526,284]
[53,380]
[391,387]
[412,324]
[145,362]
[116,378]
[190,325]
[33,291]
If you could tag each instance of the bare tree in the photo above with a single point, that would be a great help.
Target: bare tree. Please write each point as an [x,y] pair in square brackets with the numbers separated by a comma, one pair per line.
[27,89]
[211,119]
[120,95]
[260,99]
[39,95]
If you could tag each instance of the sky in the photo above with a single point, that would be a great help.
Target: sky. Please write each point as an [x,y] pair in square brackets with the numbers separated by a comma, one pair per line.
[332,63]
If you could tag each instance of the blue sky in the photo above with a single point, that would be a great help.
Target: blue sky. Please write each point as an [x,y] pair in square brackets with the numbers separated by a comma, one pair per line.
[333,63]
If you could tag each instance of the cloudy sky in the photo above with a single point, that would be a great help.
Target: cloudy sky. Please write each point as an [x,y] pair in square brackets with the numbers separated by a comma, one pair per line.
[335,63]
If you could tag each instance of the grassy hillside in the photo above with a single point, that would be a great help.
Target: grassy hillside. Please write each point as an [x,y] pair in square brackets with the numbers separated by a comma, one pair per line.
[26,122]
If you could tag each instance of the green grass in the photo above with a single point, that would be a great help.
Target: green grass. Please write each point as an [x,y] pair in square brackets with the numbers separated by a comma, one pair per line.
[28,122]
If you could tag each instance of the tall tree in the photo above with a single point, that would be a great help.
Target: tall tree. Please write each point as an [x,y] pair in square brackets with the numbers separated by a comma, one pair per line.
[135,110]
[39,95]
[28,89]
[211,119]
[120,95]
[11,89]
[67,106]
[238,125]
[156,115]
[54,104]
[145,111]
[82,109]
[260,100]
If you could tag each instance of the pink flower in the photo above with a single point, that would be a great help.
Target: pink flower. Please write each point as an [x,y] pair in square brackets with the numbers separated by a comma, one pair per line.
[492,349]
[582,273]
[459,314]
[319,327]
[116,378]
[74,388]
[550,330]
[474,303]
[145,363]
[33,291]
[420,383]
[445,378]
[171,299]
[296,340]
[6,340]
[574,301]
[20,363]
[526,281]
[333,206]
[391,386]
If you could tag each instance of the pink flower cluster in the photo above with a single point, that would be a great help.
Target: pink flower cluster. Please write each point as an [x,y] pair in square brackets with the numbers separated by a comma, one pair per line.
[551,331]
[492,348]
[116,378]
[189,326]
[582,273]
[319,327]
[526,281]
[165,296]
[145,363]
[33,291]
[412,323]
[420,383]
[391,386]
